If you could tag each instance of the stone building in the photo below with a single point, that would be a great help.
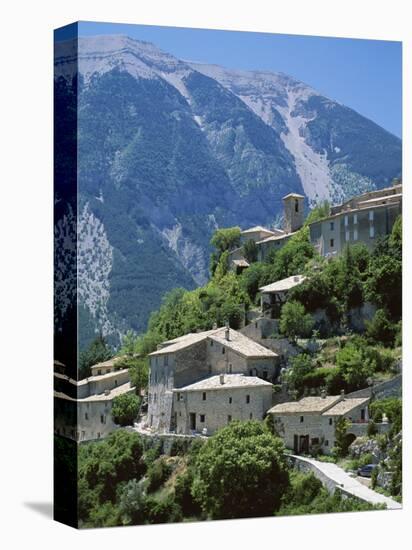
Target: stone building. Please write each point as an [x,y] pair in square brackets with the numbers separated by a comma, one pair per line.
[273,296]
[310,423]
[196,357]
[270,239]
[212,403]
[363,219]
[83,408]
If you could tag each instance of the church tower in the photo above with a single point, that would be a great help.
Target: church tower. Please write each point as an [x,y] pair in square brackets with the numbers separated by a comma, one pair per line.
[293,208]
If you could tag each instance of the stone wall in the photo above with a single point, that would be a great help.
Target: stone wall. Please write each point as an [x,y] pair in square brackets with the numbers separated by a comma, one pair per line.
[220,407]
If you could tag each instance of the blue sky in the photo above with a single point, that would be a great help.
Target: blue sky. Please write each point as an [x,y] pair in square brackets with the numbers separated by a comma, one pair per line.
[365,75]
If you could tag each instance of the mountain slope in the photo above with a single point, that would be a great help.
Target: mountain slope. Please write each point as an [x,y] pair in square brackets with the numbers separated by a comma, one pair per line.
[169,150]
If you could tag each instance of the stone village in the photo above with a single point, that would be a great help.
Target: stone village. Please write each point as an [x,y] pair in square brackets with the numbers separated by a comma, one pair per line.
[201,381]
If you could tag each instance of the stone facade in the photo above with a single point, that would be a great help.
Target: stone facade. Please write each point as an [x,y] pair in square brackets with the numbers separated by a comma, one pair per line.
[311,422]
[206,410]
[83,409]
[293,205]
[195,357]
[362,219]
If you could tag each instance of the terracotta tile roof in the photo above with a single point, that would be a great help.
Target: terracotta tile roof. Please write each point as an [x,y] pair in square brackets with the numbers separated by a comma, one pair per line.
[284,284]
[237,342]
[230,381]
[306,405]
[346,405]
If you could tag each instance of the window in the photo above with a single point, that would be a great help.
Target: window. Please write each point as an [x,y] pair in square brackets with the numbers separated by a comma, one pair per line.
[371,215]
[346,220]
[210,369]
[102,419]
[99,371]
[362,414]
[223,351]
[202,417]
[301,418]
[230,400]
[248,399]
[86,416]
[98,435]
[372,232]
[166,360]
[332,243]
[230,368]
[250,416]
[330,421]
[251,372]
[229,418]
[355,219]
[355,234]
[211,343]
[151,420]
[332,226]
[296,206]
[265,375]
[326,443]
[347,235]
[115,382]
[204,396]
[314,441]
[256,325]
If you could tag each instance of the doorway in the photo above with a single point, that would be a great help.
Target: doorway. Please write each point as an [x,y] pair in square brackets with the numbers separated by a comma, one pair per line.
[192,421]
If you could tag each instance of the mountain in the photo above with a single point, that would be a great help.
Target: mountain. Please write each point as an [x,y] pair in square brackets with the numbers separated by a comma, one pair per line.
[169,150]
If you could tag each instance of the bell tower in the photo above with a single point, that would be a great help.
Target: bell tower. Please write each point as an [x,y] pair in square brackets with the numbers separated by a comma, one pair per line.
[293,209]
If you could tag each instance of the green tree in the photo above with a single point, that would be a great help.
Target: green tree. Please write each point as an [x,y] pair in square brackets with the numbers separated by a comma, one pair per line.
[294,321]
[380,329]
[97,352]
[355,366]
[302,365]
[240,472]
[125,408]
[223,240]
[341,437]
[321,210]
[250,251]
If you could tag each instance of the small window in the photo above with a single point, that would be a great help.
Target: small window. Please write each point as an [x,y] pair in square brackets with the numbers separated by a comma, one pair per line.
[248,399]
[98,435]
[102,419]
[250,416]
[204,396]
[115,382]
[86,416]
[332,226]
[265,375]
[301,419]
[178,396]
[330,421]
[256,325]
[355,234]
[371,215]
[372,232]
[223,351]
[346,220]
[202,418]
[296,206]
[355,219]
[347,235]
[210,369]
[332,243]
[229,418]
[99,371]
[230,368]
[251,372]
[230,400]
[326,443]
[211,343]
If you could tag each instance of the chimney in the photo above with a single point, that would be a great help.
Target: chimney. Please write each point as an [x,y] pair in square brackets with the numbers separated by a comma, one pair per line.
[323,394]
[227,331]
[222,378]
[342,394]
[214,327]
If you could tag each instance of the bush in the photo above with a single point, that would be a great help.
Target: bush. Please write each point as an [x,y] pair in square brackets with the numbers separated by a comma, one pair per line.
[294,321]
[157,474]
[380,329]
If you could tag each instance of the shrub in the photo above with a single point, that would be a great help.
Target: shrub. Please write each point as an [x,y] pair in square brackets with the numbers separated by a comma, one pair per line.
[125,409]
[380,329]
[157,474]
[294,321]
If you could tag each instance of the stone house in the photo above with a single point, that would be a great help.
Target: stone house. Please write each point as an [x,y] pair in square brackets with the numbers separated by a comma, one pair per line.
[196,357]
[310,423]
[270,239]
[83,408]
[212,403]
[273,296]
[363,219]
